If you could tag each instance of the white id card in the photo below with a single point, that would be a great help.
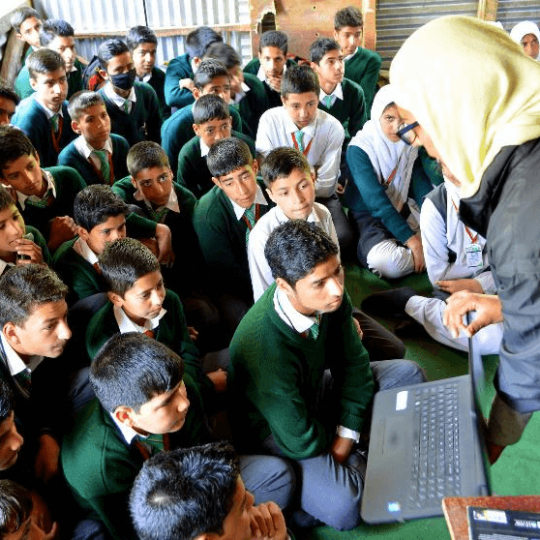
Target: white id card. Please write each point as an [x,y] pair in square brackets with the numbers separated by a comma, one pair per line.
[473,255]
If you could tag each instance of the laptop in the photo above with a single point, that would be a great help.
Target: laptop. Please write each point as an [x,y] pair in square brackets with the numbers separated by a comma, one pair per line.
[426,443]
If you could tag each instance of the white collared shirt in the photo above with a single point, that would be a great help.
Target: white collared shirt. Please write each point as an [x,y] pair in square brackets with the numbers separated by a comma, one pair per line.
[127,432]
[336,94]
[145,78]
[239,96]
[4,265]
[15,363]
[348,57]
[119,100]
[125,324]
[172,203]
[22,198]
[204,147]
[239,210]
[83,249]
[87,151]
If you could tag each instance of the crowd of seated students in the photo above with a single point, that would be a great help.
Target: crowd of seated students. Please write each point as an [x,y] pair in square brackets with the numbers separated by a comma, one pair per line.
[189,227]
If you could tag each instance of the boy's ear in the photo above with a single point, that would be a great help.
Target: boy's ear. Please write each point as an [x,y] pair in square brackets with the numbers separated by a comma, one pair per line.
[195,63]
[269,191]
[216,181]
[284,286]
[124,415]
[115,298]
[134,182]
[196,93]
[75,127]
[255,166]
[103,73]
[10,332]
[314,66]
[33,84]
[83,233]
[197,129]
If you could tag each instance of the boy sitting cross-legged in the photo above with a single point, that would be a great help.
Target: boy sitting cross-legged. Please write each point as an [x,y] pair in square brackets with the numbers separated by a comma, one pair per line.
[211,123]
[98,155]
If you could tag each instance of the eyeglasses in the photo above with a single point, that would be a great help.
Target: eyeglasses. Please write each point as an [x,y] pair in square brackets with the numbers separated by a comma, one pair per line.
[406,132]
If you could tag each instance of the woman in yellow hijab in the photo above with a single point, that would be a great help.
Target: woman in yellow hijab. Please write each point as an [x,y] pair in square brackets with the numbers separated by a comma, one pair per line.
[472,98]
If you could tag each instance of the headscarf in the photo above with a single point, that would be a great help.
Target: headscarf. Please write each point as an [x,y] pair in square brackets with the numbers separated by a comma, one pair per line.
[522,29]
[384,154]
[472,90]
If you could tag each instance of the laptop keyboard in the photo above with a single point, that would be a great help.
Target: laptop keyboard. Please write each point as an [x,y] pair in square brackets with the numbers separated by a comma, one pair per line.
[436,469]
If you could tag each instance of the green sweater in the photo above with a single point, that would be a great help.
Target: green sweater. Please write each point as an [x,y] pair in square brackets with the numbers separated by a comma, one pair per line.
[275,375]
[222,238]
[100,467]
[157,82]
[252,105]
[178,68]
[363,68]
[192,168]
[71,157]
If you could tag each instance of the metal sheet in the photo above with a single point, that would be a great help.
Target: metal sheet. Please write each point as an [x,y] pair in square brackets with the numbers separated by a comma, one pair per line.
[510,13]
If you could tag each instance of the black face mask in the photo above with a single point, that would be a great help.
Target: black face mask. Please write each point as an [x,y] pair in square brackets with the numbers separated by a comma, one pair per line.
[124,81]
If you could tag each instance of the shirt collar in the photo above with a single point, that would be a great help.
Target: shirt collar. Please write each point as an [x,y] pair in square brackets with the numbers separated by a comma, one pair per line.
[172,203]
[338,92]
[4,265]
[115,98]
[292,318]
[239,210]
[21,197]
[15,362]
[309,130]
[83,249]
[48,111]
[127,432]
[240,95]
[125,324]
[146,78]
[204,147]
[351,55]
[86,149]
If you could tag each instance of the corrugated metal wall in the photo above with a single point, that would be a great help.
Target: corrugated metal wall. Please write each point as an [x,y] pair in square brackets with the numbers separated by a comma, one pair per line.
[511,12]
[117,16]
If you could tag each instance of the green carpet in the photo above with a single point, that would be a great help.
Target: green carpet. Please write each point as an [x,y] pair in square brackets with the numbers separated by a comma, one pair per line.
[516,472]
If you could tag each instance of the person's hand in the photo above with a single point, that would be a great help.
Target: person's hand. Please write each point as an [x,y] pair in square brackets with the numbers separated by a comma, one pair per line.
[341,448]
[53,533]
[414,243]
[340,190]
[488,311]
[219,380]
[274,81]
[29,250]
[47,458]
[63,228]
[456,285]
[193,333]
[267,522]
[164,240]
[187,83]
[358,328]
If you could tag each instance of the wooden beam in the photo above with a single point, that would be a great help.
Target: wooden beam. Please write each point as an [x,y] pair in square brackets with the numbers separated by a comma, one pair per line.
[487,10]
[369,36]
[12,60]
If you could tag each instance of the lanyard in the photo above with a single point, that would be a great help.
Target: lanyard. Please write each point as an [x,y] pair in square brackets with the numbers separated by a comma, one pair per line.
[467,230]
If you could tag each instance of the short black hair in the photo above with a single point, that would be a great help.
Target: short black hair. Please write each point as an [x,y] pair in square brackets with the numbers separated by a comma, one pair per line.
[349,16]
[227,155]
[320,47]
[81,100]
[295,248]
[109,49]
[299,80]
[198,41]
[207,71]
[24,288]
[7,92]
[131,369]
[274,38]
[20,15]
[43,61]
[138,35]
[281,162]
[186,493]
[96,204]
[144,155]
[6,199]
[13,145]
[210,107]
[6,400]
[123,262]
[224,53]
[52,28]
[15,506]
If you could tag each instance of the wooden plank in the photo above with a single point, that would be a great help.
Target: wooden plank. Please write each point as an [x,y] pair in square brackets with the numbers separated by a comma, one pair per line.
[487,10]
[12,59]
[369,36]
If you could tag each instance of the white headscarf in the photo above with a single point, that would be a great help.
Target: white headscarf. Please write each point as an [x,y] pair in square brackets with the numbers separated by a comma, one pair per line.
[384,154]
[522,29]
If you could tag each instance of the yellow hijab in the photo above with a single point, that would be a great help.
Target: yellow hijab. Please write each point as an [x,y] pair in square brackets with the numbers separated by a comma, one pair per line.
[472,89]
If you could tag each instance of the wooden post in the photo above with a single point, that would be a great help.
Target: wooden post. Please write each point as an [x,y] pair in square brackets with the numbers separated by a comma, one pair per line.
[369,37]
[487,10]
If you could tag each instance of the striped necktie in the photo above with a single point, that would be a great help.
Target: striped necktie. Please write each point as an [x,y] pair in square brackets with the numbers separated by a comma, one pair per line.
[299,138]
[103,157]
[328,101]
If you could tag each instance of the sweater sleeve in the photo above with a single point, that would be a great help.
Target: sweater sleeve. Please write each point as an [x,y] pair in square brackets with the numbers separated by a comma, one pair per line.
[370,78]
[174,95]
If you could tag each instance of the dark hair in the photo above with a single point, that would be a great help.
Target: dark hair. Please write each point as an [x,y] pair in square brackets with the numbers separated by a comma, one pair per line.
[131,369]
[20,15]
[13,144]
[144,155]
[299,80]
[210,107]
[96,204]
[274,38]
[43,61]
[6,200]
[207,71]
[227,155]
[6,400]
[295,248]
[198,41]
[281,162]
[109,49]
[183,494]
[320,47]
[15,506]
[123,262]
[24,288]
[224,53]
[52,28]
[7,92]
[80,101]
[349,16]
[138,35]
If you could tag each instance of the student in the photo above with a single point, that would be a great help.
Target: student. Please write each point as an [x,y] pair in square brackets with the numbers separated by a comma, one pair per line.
[98,155]
[224,218]
[146,404]
[300,327]
[247,91]
[142,43]
[213,501]
[8,103]
[526,34]
[211,123]
[43,116]
[44,196]
[11,441]
[271,64]
[26,22]
[342,98]
[132,106]
[361,65]
[211,78]
[181,70]
[56,35]
[318,135]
